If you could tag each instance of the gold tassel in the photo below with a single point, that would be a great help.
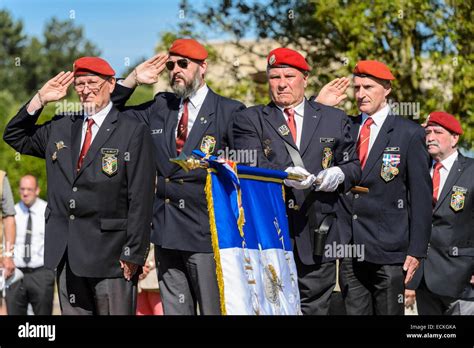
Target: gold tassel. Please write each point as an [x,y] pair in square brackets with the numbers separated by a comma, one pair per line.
[215,240]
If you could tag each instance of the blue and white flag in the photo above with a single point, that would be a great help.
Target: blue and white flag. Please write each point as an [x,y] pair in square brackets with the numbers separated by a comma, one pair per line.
[255,268]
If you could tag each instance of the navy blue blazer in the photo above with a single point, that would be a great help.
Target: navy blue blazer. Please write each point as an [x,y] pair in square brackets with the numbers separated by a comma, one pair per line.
[449,265]
[180,217]
[393,220]
[325,130]
[102,213]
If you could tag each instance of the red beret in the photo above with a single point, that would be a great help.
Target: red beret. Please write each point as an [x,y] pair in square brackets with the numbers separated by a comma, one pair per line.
[92,65]
[445,120]
[373,68]
[283,57]
[188,48]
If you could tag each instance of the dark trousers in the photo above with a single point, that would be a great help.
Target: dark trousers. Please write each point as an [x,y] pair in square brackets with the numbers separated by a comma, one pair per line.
[36,287]
[95,296]
[428,303]
[369,288]
[316,283]
[187,280]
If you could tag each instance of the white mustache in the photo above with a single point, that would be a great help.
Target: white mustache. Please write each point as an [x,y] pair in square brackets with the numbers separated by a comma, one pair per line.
[435,143]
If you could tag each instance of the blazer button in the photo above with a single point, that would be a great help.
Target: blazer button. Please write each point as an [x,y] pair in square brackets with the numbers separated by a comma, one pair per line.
[181,181]
[356,196]
[167,200]
[72,217]
[167,180]
[74,189]
[354,217]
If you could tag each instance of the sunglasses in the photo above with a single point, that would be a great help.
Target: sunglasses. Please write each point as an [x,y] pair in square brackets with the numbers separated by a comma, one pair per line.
[182,63]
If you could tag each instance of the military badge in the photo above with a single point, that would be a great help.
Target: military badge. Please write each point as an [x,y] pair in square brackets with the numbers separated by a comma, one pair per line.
[208,144]
[59,145]
[389,166]
[326,140]
[458,197]
[267,150]
[327,158]
[272,59]
[109,161]
[284,130]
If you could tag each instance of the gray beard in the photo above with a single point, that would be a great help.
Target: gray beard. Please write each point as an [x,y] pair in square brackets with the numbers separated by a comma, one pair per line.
[189,88]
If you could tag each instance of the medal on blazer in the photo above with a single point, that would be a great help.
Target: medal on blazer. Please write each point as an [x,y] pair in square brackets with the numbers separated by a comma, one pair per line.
[109,161]
[390,163]
[208,144]
[59,145]
[458,197]
[267,150]
[284,130]
[327,158]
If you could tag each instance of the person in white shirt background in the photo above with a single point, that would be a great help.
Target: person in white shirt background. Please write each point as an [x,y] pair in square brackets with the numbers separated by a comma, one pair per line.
[37,286]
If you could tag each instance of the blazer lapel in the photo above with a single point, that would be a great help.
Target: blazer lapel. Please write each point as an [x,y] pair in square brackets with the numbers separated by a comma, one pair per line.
[310,123]
[105,131]
[379,145]
[453,176]
[275,118]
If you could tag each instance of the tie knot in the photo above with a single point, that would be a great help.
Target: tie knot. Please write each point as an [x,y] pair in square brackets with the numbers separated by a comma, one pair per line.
[290,112]
[90,122]
[438,166]
[369,122]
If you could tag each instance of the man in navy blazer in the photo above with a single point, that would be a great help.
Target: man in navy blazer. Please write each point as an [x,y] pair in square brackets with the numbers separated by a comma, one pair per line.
[392,221]
[446,272]
[193,117]
[100,190]
[307,138]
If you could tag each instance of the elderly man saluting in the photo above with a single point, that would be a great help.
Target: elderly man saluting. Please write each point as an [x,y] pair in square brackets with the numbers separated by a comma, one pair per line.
[100,190]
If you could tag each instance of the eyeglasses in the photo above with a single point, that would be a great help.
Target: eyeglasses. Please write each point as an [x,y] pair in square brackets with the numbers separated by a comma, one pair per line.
[182,63]
[94,87]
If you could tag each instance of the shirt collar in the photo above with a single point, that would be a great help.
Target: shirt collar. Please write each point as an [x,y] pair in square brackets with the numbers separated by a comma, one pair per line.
[379,117]
[33,208]
[100,116]
[448,162]
[198,98]
[299,109]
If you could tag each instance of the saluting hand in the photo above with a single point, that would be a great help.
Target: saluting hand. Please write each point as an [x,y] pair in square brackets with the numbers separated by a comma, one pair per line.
[56,88]
[53,90]
[334,92]
[147,73]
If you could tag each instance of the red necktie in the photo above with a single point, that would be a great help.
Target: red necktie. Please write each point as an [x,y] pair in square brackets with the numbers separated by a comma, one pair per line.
[363,142]
[182,131]
[291,122]
[436,180]
[87,143]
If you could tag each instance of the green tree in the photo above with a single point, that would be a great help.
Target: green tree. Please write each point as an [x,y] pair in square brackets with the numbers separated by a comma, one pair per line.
[428,44]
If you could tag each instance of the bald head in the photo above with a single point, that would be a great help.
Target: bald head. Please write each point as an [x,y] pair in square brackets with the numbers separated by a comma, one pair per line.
[29,189]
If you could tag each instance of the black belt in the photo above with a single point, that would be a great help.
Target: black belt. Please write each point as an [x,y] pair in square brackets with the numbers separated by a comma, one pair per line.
[29,269]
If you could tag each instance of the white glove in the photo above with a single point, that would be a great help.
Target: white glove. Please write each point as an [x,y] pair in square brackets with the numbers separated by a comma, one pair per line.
[299,185]
[329,179]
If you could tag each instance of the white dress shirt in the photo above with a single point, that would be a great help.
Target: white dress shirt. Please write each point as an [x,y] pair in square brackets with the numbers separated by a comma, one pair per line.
[98,120]
[37,233]
[194,105]
[379,118]
[299,114]
[444,170]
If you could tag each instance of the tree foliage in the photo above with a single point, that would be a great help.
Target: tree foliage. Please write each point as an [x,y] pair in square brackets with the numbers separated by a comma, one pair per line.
[427,43]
